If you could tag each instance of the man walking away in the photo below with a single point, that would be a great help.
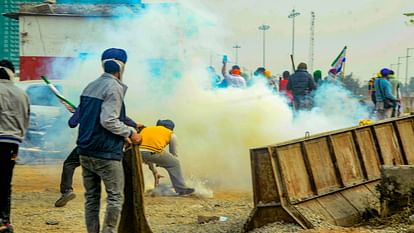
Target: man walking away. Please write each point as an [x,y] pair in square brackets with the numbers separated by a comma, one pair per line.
[301,84]
[385,101]
[102,132]
[14,121]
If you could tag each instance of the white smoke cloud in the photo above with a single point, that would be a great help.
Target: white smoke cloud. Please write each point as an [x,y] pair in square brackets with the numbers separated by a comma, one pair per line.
[169,48]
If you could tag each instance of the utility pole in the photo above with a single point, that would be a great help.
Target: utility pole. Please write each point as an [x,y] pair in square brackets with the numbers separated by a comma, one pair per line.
[264,28]
[236,47]
[406,65]
[312,42]
[292,16]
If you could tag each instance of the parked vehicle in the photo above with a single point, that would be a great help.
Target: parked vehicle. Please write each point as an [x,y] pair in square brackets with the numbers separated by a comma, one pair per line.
[48,136]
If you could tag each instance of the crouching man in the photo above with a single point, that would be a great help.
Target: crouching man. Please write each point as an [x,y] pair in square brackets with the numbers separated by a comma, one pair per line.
[152,149]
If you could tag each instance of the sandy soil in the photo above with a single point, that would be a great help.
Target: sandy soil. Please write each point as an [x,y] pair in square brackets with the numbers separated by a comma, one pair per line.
[36,188]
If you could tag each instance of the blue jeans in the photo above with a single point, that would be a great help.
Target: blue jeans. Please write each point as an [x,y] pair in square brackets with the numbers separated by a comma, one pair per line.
[111,173]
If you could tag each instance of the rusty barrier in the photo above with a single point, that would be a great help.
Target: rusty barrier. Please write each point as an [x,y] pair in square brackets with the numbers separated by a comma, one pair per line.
[332,174]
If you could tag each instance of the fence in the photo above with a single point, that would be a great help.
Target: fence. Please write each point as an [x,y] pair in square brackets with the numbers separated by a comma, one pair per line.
[332,174]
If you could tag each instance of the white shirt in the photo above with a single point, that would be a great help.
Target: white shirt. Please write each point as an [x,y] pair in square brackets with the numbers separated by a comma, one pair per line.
[235,81]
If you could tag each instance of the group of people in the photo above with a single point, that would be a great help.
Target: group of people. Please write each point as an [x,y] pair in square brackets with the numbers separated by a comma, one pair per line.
[103,131]
[296,87]
[384,89]
[385,92]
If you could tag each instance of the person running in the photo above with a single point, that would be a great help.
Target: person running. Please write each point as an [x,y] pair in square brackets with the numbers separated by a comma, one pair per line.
[14,121]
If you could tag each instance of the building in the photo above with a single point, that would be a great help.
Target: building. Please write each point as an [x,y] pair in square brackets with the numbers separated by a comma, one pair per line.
[46,30]
[9,30]
[53,36]
[9,27]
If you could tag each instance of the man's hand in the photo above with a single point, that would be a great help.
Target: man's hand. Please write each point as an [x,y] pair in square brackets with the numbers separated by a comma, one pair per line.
[157,177]
[136,138]
[139,127]
[127,140]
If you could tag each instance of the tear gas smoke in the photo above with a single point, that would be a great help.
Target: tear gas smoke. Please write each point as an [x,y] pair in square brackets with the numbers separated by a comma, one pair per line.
[168,48]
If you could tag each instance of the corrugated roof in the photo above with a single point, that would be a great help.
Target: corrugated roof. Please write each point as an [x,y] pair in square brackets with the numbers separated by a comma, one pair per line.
[75,10]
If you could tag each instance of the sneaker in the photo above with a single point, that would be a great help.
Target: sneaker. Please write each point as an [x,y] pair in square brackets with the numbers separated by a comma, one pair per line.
[6,228]
[65,198]
[186,192]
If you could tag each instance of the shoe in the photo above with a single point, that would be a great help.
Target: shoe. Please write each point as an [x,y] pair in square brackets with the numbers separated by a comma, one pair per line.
[6,228]
[65,198]
[186,192]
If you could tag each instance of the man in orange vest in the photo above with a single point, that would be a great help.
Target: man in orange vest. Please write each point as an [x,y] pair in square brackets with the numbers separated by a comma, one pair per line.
[152,148]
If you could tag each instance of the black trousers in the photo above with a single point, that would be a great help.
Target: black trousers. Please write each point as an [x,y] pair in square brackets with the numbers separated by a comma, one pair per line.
[8,154]
[69,166]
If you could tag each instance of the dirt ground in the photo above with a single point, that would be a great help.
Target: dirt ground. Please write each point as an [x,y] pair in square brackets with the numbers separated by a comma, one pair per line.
[36,188]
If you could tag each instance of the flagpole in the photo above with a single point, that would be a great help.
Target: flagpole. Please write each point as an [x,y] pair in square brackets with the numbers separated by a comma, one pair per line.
[343,66]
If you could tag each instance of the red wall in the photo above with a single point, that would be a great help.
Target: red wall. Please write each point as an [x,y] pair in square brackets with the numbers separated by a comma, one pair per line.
[32,67]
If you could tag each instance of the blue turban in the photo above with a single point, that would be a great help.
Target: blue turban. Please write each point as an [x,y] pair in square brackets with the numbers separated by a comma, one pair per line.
[169,124]
[114,53]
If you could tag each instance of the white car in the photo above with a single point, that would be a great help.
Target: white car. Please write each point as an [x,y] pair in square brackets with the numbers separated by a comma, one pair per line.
[48,136]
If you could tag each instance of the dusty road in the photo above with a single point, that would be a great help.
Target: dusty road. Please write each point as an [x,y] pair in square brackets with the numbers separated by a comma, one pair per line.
[36,188]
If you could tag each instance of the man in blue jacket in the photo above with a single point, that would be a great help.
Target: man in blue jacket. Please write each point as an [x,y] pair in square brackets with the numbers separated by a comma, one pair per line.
[72,162]
[385,100]
[100,142]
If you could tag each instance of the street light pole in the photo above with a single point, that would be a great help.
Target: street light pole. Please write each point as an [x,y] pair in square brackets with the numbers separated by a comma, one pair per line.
[292,16]
[406,65]
[237,47]
[264,27]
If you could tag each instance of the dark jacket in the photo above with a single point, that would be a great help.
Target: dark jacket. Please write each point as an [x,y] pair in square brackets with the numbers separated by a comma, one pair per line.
[74,120]
[301,83]
[101,119]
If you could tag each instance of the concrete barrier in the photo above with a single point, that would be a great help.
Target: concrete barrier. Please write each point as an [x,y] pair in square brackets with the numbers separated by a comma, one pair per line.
[333,174]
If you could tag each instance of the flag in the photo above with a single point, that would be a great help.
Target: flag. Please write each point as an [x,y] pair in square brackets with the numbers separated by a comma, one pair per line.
[339,61]
[68,105]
